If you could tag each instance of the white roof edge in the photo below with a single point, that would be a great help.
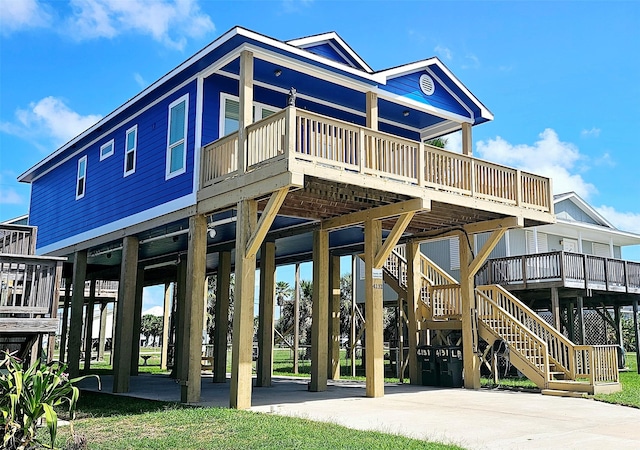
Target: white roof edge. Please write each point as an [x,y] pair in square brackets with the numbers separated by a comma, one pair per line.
[594,227]
[447,115]
[588,209]
[422,64]
[319,38]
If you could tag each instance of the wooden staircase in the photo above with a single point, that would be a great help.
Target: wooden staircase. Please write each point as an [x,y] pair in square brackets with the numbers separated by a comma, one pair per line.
[538,350]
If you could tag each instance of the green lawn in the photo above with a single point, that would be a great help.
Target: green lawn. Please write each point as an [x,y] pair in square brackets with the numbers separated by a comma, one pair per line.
[112,422]
[630,394]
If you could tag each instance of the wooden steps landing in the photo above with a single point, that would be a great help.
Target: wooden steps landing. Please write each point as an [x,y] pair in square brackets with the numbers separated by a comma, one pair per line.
[563,393]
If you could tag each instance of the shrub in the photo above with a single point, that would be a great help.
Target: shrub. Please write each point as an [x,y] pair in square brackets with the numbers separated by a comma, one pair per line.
[28,396]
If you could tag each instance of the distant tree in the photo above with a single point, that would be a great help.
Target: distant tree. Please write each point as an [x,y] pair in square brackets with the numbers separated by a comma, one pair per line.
[283,292]
[151,326]
[438,142]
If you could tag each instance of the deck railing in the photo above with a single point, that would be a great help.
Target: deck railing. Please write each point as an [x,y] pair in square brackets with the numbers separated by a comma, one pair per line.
[572,269]
[17,239]
[28,285]
[305,136]
[105,288]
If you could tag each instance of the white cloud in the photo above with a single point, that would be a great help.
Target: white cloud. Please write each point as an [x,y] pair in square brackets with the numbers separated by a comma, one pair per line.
[472,62]
[548,156]
[170,22]
[443,52]
[48,119]
[593,132]
[9,196]
[155,311]
[20,14]
[141,81]
[625,221]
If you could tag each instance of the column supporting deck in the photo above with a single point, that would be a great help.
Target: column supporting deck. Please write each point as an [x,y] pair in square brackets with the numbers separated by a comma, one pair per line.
[77,303]
[223,279]
[414,289]
[373,286]
[320,311]
[264,365]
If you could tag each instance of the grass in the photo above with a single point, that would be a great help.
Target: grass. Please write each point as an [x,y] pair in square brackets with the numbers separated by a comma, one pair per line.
[509,383]
[113,422]
[630,394]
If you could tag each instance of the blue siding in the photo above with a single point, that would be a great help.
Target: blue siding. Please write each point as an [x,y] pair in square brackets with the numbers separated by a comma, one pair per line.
[109,195]
[408,86]
[568,210]
[329,52]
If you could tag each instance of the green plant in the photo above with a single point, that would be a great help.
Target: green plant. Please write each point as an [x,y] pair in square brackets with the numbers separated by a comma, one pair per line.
[28,396]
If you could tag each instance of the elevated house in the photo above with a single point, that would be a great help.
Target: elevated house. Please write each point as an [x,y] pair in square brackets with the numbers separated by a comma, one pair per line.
[256,152]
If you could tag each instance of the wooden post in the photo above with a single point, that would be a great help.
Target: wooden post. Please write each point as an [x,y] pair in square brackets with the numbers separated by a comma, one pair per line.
[55,304]
[194,310]
[352,336]
[469,336]
[121,347]
[555,309]
[373,285]
[65,319]
[320,311]
[372,110]
[467,141]
[166,316]
[137,323]
[102,335]
[179,298]
[264,365]
[618,322]
[77,304]
[414,289]
[571,319]
[333,355]
[223,283]
[580,307]
[637,333]
[296,321]
[246,106]
[88,337]
[242,346]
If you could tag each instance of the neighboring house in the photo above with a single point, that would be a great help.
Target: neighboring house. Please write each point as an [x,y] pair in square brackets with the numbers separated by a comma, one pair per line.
[553,259]
[265,152]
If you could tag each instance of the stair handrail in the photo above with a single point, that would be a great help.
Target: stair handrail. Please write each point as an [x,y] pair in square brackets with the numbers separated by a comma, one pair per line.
[434,273]
[488,309]
[561,349]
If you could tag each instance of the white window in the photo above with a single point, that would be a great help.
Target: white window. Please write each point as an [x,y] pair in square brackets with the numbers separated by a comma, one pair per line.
[569,245]
[131,143]
[81,178]
[177,137]
[230,113]
[106,150]
[601,250]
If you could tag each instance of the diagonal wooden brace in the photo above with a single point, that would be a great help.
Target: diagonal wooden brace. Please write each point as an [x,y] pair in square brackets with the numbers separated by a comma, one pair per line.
[266,219]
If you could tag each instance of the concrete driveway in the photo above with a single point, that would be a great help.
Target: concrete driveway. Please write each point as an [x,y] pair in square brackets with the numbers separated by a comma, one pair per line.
[484,419]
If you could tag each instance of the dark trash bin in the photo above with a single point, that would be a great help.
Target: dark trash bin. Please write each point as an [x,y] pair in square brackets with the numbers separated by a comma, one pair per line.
[429,365]
[449,360]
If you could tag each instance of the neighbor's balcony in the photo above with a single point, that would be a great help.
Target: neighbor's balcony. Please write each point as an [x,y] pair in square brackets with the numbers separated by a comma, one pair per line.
[298,137]
[573,270]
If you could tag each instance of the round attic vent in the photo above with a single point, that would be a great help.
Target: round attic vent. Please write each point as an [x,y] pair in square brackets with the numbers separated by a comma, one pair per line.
[427,86]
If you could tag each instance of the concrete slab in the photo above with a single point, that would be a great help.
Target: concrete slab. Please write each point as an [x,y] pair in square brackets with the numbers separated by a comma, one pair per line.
[484,419]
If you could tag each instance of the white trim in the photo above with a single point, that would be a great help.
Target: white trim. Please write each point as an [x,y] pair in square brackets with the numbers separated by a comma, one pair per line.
[257,113]
[134,150]
[332,45]
[585,207]
[167,172]
[197,144]
[420,65]
[453,94]
[399,99]
[105,145]
[152,213]
[320,38]
[507,244]
[118,125]
[439,129]
[83,177]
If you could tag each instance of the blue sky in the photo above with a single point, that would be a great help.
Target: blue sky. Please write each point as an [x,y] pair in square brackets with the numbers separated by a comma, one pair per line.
[562,78]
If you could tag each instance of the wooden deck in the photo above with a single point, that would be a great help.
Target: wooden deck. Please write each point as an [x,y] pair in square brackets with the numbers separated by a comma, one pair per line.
[563,269]
[335,164]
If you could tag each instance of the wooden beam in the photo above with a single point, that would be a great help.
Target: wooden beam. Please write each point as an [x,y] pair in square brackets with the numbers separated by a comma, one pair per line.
[77,303]
[89,325]
[392,239]
[467,141]
[372,110]
[320,311]
[555,309]
[264,366]
[179,364]
[414,289]
[495,224]
[484,252]
[373,285]
[242,346]
[266,220]
[380,212]
[165,326]
[469,326]
[333,355]
[137,323]
[194,308]
[223,285]
[124,322]
[245,118]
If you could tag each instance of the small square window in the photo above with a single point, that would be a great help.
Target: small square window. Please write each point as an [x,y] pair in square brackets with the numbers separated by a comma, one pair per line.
[106,150]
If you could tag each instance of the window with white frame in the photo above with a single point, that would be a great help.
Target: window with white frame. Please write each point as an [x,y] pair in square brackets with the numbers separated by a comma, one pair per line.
[230,113]
[106,150]
[130,146]
[81,178]
[177,137]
